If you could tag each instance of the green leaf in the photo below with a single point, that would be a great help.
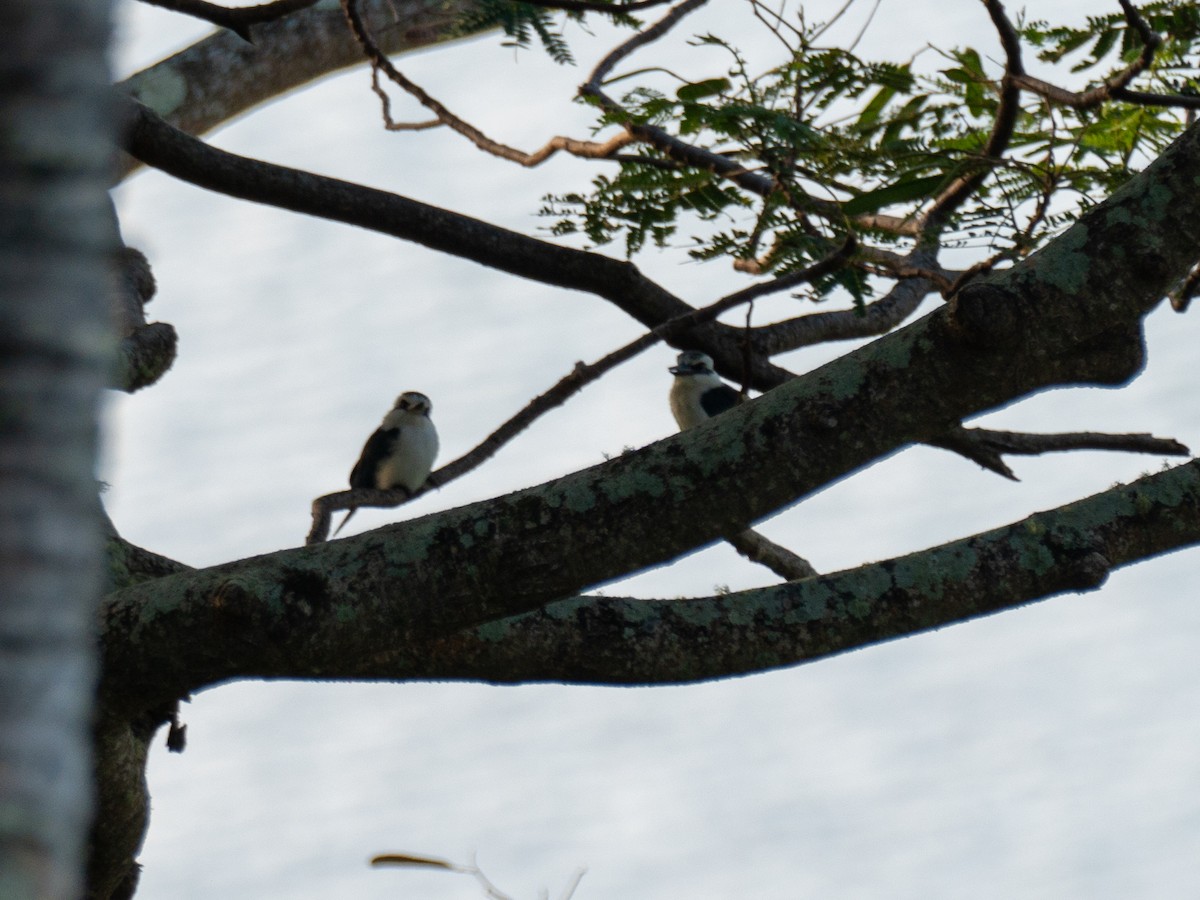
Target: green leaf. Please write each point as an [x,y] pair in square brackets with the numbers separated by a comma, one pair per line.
[690,93]
[873,109]
[900,192]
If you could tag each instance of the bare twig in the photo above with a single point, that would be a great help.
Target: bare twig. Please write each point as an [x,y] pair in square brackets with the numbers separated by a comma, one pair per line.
[471,868]
[1181,297]
[380,62]
[987,447]
[760,549]
[238,19]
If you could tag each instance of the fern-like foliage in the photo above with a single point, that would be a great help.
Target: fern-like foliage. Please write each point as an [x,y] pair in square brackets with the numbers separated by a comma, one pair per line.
[847,140]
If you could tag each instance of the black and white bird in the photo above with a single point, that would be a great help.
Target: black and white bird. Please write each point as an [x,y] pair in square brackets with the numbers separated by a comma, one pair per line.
[698,393]
[400,453]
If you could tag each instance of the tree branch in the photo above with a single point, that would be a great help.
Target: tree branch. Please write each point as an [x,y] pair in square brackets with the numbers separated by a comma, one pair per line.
[222,76]
[380,62]
[987,447]
[614,640]
[582,375]
[958,191]
[237,19]
[156,143]
[758,548]
[1046,321]
[1112,86]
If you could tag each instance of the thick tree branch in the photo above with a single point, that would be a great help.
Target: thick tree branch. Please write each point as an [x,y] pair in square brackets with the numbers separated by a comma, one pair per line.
[1047,321]
[613,640]
[222,76]
[155,142]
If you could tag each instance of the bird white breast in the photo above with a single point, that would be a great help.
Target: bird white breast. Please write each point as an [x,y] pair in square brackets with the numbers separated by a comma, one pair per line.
[686,391]
[411,459]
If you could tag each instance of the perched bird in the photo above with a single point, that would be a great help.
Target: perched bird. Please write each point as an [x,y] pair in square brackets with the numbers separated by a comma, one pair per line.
[400,453]
[698,393]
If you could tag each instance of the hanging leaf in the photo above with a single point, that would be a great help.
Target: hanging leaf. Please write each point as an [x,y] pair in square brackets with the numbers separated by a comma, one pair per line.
[901,192]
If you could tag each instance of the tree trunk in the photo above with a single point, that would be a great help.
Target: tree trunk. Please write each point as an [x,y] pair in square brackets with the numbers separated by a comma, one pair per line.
[55,249]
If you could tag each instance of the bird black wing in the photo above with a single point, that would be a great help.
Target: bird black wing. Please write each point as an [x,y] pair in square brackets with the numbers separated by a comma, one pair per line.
[718,399]
[378,447]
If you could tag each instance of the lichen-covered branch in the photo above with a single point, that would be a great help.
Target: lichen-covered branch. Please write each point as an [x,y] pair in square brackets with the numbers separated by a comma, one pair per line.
[615,640]
[1047,321]
[609,640]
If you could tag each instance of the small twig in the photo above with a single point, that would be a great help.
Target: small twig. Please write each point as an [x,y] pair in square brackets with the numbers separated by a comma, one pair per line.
[780,560]
[238,19]
[471,868]
[1003,125]
[1182,296]
[380,62]
[986,447]
[1114,85]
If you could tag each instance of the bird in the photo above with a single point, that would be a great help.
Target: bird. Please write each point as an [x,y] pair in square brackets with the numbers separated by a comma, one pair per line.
[401,451]
[698,393]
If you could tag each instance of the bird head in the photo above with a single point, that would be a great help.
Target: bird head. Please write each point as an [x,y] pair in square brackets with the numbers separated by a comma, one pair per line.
[692,362]
[414,402]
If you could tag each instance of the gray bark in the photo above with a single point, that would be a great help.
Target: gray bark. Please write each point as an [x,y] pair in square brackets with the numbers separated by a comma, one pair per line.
[56,244]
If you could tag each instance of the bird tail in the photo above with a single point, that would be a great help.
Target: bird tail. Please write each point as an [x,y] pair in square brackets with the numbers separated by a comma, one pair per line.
[352,511]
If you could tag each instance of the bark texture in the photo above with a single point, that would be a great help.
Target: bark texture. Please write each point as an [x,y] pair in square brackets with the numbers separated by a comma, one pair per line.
[56,243]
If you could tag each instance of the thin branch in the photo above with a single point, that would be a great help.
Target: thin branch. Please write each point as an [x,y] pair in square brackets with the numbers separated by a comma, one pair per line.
[1111,86]
[156,143]
[1184,101]
[1003,125]
[642,38]
[876,318]
[581,376]
[987,447]
[237,19]
[707,160]
[380,62]
[783,562]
